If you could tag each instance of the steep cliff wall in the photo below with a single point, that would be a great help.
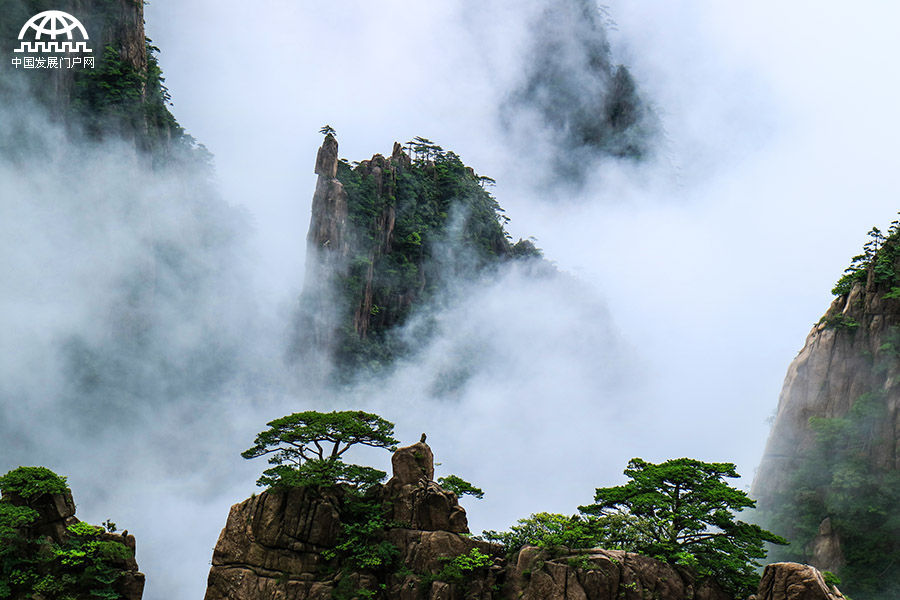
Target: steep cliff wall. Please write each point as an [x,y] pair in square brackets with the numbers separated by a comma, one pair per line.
[122,96]
[384,237]
[829,476]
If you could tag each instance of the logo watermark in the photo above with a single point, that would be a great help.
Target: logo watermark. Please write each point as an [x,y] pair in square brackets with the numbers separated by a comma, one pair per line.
[53,32]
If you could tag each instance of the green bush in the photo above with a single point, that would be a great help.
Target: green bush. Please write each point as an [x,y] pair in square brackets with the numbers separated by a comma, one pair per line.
[82,565]
[31,482]
[549,531]
[841,322]
[459,570]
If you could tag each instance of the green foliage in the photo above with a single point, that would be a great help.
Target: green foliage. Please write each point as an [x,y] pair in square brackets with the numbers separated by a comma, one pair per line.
[362,545]
[893,294]
[328,130]
[116,98]
[579,561]
[459,570]
[31,482]
[879,257]
[831,579]
[838,479]
[682,511]
[460,567]
[841,322]
[460,486]
[445,224]
[84,565]
[306,448]
[525,249]
[549,531]
[114,87]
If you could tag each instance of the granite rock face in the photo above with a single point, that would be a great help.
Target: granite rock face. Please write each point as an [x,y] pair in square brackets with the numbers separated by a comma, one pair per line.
[604,575]
[793,581]
[279,544]
[273,541]
[848,372]
[837,364]
[418,502]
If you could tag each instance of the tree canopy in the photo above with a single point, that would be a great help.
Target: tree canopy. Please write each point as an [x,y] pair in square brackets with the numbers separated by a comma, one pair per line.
[460,486]
[682,511]
[549,531]
[31,482]
[306,448]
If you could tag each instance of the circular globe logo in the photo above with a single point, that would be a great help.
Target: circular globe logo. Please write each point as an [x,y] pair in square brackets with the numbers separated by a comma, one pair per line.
[53,23]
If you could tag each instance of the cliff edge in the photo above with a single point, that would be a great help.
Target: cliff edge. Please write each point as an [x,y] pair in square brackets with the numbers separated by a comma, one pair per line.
[829,480]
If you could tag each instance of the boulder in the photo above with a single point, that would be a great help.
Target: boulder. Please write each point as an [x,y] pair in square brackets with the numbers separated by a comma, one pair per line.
[327,158]
[793,581]
[412,464]
[426,506]
[416,501]
[275,541]
[825,551]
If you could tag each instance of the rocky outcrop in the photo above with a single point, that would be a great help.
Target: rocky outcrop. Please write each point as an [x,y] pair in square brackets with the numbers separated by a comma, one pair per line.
[371,248]
[56,512]
[792,581]
[275,541]
[838,364]
[825,549]
[604,575]
[332,240]
[417,501]
[832,459]
[281,544]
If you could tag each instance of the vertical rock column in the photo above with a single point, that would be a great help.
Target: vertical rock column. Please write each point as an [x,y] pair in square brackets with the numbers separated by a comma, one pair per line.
[326,255]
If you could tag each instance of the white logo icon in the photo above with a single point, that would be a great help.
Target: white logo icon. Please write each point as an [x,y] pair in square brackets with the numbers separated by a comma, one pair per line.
[49,25]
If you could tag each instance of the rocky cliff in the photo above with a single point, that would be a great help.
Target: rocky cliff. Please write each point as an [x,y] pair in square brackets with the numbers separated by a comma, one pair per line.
[121,96]
[46,553]
[408,540]
[828,480]
[305,543]
[385,236]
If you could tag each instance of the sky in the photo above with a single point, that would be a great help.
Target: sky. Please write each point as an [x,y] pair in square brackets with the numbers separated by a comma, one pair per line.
[688,283]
